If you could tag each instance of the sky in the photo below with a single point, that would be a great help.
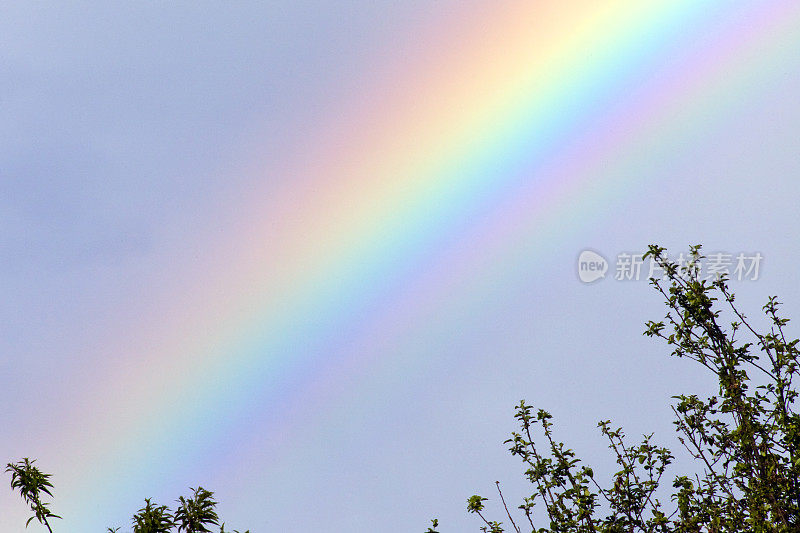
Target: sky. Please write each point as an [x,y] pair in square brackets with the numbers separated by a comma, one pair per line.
[310,255]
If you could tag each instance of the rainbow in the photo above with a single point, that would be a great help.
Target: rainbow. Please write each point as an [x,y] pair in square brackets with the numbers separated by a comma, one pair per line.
[475,147]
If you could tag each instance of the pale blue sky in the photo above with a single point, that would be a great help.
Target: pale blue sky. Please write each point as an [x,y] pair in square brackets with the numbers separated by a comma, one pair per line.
[124,125]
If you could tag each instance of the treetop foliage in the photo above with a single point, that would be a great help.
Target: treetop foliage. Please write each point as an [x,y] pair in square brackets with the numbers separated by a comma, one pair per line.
[744,440]
[195,514]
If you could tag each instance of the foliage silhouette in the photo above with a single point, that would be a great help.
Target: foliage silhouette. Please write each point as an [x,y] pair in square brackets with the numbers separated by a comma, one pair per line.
[193,515]
[31,483]
[744,439]
[152,519]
